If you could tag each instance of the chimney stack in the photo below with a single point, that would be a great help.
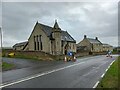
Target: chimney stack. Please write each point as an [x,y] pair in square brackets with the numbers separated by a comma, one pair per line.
[96,38]
[85,36]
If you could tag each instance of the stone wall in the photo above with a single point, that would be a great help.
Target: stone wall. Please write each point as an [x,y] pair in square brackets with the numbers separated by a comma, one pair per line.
[82,53]
[99,53]
[39,55]
[86,53]
[29,55]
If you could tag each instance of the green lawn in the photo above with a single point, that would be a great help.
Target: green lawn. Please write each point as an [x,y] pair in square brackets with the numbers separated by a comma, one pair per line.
[110,80]
[7,66]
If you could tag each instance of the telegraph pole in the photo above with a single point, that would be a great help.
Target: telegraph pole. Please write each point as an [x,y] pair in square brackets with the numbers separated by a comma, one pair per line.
[1,37]
[1,42]
[0,54]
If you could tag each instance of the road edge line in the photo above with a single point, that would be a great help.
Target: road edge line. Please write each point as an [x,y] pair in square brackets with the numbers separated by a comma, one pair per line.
[96,84]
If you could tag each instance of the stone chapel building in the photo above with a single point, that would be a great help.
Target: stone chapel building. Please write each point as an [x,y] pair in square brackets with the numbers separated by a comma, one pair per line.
[48,39]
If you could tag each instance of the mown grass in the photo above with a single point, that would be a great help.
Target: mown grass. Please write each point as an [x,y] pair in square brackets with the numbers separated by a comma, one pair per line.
[7,66]
[111,80]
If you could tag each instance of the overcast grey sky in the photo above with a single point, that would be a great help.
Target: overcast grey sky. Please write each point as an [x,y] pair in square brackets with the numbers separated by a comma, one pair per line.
[79,19]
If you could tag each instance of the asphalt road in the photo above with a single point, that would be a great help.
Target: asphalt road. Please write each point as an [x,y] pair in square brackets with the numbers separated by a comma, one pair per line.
[84,73]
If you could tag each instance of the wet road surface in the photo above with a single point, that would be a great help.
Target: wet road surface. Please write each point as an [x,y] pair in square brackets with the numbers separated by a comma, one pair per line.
[84,73]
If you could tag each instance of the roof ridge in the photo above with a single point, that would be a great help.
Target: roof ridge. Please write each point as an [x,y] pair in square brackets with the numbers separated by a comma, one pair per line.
[17,44]
[49,26]
[45,25]
[22,42]
[91,38]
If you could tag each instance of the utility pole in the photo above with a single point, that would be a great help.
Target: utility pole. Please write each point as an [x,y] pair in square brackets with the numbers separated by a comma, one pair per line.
[1,37]
[0,53]
[1,42]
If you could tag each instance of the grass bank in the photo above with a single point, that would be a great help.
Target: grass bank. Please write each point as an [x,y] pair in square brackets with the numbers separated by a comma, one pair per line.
[111,80]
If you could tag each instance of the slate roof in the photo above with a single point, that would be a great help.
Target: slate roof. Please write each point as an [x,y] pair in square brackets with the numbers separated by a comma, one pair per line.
[94,41]
[66,36]
[107,45]
[48,30]
[20,44]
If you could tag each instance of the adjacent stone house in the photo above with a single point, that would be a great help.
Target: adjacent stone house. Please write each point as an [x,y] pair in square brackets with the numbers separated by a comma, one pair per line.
[107,47]
[48,39]
[90,44]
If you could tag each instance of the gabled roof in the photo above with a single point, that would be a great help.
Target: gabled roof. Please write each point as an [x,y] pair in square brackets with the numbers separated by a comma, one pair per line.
[94,41]
[20,44]
[67,37]
[46,29]
[64,34]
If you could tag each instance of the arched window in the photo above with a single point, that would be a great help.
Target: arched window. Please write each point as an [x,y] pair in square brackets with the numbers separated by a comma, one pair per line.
[40,40]
[37,43]
[34,42]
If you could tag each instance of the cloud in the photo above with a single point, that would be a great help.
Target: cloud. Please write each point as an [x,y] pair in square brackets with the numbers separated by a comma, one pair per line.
[90,18]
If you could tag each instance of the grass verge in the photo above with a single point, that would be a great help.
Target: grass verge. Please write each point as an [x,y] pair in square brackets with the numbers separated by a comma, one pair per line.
[7,66]
[110,80]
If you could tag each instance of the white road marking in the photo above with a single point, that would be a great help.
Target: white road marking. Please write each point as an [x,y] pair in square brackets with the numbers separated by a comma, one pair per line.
[108,66]
[106,70]
[102,75]
[96,84]
[38,75]
[112,62]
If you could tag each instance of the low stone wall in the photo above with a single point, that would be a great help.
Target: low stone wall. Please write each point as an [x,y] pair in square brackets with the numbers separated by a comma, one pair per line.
[32,55]
[44,56]
[86,53]
[99,53]
[80,54]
